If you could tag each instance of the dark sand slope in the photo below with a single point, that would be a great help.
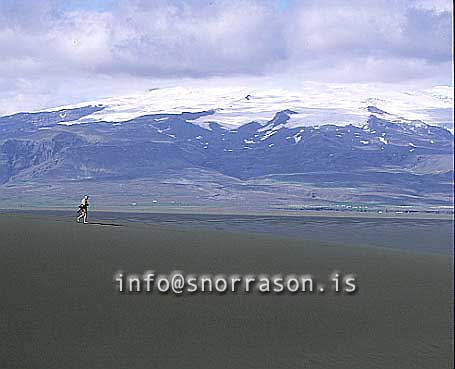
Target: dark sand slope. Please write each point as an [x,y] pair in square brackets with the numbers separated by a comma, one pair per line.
[59,308]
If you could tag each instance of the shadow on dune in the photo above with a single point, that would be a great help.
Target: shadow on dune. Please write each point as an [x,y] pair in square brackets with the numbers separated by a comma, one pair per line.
[107,224]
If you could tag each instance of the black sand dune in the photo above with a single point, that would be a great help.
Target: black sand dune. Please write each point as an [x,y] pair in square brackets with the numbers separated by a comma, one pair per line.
[59,308]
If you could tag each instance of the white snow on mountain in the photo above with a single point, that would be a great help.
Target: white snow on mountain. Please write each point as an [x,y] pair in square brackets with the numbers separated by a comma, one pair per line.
[315,104]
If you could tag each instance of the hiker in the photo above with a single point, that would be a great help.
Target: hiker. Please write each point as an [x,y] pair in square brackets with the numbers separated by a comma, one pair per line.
[83,208]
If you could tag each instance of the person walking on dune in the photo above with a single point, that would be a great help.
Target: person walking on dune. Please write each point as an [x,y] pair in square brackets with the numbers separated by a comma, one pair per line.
[83,209]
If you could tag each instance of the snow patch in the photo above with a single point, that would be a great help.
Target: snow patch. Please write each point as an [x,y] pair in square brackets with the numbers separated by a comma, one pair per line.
[268,135]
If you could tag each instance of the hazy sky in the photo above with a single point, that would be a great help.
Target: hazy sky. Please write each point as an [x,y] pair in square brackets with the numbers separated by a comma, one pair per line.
[55,52]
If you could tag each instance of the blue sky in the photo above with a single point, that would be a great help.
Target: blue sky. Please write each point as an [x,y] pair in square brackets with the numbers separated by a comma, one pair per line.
[55,52]
[106,5]
[96,5]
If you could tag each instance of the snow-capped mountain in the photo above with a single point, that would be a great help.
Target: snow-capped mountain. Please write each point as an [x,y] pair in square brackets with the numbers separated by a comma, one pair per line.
[227,152]
[313,104]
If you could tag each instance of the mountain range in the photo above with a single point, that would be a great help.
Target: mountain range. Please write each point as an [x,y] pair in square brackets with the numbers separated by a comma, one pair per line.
[51,158]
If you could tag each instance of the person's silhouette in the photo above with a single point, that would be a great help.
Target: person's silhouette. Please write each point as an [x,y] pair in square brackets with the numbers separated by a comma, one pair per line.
[83,210]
